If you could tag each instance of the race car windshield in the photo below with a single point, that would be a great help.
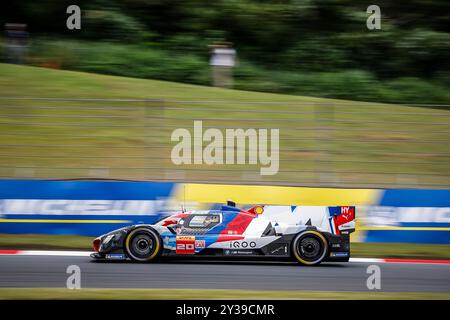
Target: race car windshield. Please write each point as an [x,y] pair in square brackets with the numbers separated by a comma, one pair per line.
[203,221]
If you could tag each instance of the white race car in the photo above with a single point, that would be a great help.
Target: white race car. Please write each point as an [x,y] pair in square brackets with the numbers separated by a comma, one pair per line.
[308,235]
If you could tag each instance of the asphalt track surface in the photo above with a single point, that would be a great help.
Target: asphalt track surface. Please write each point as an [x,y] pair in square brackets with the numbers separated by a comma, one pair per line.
[50,271]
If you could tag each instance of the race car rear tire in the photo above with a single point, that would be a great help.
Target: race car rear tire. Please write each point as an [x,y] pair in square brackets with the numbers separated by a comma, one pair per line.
[142,245]
[310,247]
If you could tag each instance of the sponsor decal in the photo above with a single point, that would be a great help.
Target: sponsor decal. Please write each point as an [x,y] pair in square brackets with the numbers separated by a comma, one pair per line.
[115,256]
[259,210]
[166,240]
[279,250]
[339,254]
[384,216]
[242,244]
[185,245]
[238,252]
[347,215]
[342,221]
[200,244]
[169,242]
[79,207]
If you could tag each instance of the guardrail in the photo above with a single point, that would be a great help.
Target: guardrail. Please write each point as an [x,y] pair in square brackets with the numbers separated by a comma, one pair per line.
[339,144]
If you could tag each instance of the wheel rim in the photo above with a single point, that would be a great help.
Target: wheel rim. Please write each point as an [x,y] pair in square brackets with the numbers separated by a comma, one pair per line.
[310,248]
[142,245]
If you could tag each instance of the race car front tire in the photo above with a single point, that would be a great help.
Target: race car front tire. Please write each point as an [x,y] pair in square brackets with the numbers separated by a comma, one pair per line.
[142,244]
[310,247]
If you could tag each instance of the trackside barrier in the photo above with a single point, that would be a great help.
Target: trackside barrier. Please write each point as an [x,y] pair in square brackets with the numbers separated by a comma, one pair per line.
[78,207]
[94,207]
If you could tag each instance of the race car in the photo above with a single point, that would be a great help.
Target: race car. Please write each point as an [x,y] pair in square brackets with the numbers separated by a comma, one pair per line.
[308,235]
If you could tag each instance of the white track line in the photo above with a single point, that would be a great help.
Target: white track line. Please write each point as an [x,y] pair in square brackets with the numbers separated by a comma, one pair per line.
[55,253]
[88,253]
[366,260]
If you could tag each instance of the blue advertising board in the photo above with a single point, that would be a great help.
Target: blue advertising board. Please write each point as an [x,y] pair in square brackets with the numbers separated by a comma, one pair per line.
[78,207]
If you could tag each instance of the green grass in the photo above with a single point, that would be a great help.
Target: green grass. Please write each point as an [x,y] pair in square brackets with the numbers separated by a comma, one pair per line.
[202,294]
[45,242]
[26,81]
[131,140]
[360,250]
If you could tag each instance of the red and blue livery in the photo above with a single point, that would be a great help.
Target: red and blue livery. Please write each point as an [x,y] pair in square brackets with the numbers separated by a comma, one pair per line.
[308,235]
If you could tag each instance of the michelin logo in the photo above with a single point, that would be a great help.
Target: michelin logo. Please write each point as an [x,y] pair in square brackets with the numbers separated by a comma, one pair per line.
[80,207]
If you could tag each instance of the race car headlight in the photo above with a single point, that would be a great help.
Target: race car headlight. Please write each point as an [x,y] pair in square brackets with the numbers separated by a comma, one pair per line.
[108,239]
